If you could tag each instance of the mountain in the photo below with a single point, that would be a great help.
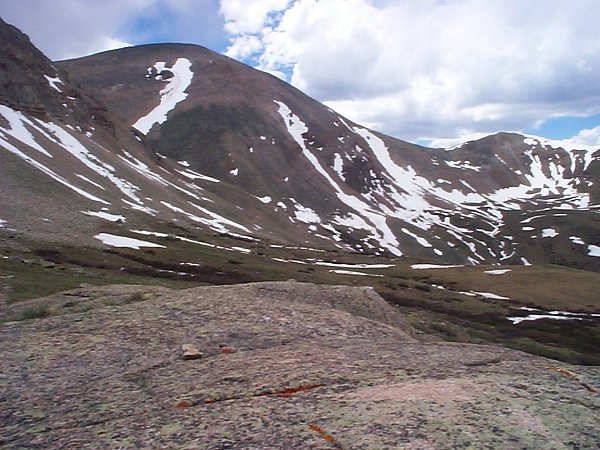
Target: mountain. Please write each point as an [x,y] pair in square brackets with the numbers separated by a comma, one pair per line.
[172,164]
[505,198]
[137,181]
[192,136]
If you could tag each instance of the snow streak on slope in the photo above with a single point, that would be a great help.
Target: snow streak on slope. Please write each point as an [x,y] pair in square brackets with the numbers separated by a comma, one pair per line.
[16,122]
[379,229]
[20,133]
[49,172]
[91,161]
[172,94]
[66,141]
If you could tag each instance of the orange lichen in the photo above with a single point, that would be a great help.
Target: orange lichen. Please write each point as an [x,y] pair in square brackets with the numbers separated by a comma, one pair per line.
[573,377]
[228,350]
[284,393]
[328,437]
[288,392]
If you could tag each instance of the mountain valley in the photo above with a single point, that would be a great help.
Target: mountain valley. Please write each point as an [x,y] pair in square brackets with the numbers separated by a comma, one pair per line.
[151,176]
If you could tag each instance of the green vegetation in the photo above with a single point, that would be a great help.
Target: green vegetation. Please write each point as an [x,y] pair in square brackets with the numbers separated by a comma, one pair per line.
[432,300]
[35,312]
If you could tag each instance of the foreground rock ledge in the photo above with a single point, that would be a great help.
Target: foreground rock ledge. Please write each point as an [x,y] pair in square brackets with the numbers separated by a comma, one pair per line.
[314,367]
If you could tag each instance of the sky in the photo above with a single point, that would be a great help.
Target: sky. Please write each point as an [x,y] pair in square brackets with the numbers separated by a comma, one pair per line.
[435,72]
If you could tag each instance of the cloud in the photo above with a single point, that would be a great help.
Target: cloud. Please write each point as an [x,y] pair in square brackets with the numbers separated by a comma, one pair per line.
[67,28]
[590,136]
[243,16]
[430,69]
[70,28]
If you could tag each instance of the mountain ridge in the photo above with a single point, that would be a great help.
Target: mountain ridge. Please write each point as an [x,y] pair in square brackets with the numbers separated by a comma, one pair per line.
[313,177]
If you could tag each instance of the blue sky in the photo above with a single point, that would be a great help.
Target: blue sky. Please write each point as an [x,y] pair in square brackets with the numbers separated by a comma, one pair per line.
[428,71]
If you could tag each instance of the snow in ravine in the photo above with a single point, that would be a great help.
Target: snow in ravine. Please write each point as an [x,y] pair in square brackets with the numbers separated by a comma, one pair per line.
[378,226]
[593,250]
[53,81]
[173,93]
[338,166]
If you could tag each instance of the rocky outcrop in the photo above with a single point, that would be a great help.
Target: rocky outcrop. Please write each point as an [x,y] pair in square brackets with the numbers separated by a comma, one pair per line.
[312,367]
[31,83]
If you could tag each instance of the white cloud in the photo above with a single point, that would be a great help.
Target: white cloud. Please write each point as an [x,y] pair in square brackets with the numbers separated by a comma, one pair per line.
[461,138]
[71,28]
[429,69]
[244,47]
[249,16]
[590,136]
[66,28]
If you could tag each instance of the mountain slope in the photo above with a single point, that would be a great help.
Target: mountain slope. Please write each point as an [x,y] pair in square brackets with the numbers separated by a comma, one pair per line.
[233,176]
[338,180]
[228,149]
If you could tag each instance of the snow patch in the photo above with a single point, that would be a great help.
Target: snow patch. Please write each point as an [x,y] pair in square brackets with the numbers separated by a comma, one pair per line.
[497,271]
[106,216]
[338,166]
[350,272]
[424,242]
[518,320]
[463,165]
[354,266]
[266,199]
[486,295]
[593,250]
[379,230]
[549,233]
[49,172]
[53,82]
[121,241]
[576,240]
[434,266]
[304,214]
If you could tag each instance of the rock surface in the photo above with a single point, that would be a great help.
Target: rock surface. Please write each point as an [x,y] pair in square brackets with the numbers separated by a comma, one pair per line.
[189,351]
[314,367]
